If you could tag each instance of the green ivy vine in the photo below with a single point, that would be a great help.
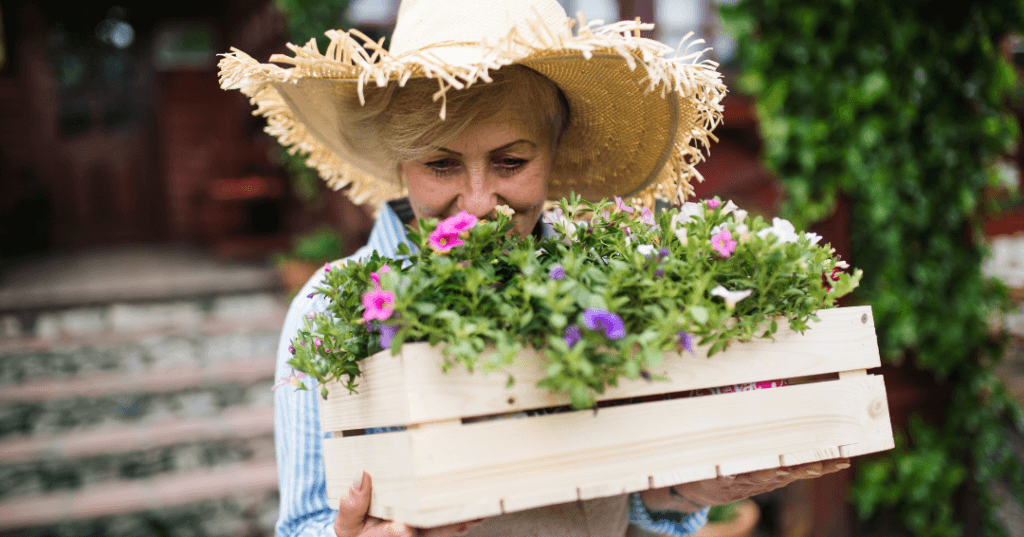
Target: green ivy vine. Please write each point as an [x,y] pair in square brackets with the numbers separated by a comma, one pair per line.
[899,108]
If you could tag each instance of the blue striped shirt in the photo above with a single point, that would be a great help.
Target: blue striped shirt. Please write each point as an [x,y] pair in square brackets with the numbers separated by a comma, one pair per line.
[297,435]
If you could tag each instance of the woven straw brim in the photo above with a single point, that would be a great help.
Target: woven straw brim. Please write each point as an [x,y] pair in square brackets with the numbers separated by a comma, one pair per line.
[638,121]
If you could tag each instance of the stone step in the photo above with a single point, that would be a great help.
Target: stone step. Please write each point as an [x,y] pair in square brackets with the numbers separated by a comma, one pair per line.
[241,423]
[153,380]
[258,476]
[117,323]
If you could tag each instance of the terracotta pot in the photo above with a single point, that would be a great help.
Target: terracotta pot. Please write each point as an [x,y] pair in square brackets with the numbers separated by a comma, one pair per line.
[294,273]
[741,525]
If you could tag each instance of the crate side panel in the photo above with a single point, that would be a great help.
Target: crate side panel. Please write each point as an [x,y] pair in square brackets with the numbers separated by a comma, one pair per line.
[843,340]
[387,457]
[381,399]
[515,458]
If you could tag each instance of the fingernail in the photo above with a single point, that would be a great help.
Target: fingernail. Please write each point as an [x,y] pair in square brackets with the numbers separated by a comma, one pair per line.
[358,481]
[814,473]
[781,473]
[842,465]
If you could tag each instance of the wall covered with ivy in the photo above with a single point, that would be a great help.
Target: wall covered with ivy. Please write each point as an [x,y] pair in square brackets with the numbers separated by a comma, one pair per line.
[898,107]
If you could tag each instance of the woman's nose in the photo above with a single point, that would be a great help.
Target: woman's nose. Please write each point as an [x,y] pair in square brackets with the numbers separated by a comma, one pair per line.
[478,196]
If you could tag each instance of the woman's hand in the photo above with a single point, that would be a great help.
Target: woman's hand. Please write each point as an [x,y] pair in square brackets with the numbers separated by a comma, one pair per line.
[691,497]
[353,521]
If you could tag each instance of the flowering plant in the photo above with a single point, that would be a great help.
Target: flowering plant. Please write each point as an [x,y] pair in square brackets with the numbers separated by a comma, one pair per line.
[607,297]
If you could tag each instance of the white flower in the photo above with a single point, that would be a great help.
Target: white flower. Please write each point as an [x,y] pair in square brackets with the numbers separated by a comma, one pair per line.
[743,232]
[729,207]
[782,229]
[813,237]
[739,215]
[646,250]
[557,219]
[681,235]
[842,264]
[505,210]
[730,297]
[687,213]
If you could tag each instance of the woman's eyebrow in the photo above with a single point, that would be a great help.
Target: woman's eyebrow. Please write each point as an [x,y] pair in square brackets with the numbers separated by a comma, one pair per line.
[495,150]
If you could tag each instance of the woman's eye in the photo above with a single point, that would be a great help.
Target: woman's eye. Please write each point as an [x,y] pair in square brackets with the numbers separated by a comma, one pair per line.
[509,165]
[444,167]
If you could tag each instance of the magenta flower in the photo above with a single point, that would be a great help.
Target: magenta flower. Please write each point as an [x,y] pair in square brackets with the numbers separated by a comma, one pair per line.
[686,340]
[379,304]
[620,206]
[316,342]
[723,243]
[557,272]
[458,223]
[609,323]
[572,335]
[387,333]
[295,379]
[444,242]
[713,204]
[291,349]
[647,217]
[327,267]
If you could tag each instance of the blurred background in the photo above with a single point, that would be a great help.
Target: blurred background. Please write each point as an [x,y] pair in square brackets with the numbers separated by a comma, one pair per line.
[151,235]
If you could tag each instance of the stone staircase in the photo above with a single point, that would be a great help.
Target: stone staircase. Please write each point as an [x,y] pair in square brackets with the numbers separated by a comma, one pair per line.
[140,418]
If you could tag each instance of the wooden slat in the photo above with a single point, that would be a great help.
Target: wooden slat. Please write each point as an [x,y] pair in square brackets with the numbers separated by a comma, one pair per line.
[411,387]
[126,496]
[474,469]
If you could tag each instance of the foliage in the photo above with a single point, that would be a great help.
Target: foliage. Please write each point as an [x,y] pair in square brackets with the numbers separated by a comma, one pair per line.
[308,19]
[898,106]
[722,513]
[605,297]
[318,246]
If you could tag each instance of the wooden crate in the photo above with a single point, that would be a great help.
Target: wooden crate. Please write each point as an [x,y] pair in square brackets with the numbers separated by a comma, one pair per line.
[440,470]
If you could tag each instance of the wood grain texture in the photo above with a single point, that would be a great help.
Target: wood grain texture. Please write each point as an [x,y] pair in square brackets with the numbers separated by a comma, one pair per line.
[411,387]
[814,455]
[439,475]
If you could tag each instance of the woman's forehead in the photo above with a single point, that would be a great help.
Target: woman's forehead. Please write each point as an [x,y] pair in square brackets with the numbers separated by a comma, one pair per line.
[504,128]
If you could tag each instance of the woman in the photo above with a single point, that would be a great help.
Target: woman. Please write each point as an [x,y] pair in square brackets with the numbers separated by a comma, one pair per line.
[527,112]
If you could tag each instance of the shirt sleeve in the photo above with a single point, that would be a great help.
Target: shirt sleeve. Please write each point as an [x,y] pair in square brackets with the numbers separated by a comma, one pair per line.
[303,510]
[665,523]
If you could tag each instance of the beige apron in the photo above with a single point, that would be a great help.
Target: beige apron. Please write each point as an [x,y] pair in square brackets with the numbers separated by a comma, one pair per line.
[603,517]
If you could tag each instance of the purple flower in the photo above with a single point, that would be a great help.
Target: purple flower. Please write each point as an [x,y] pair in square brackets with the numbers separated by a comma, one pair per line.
[291,349]
[557,272]
[665,252]
[660,273]
[572,335]
[310,295]
[387,333]
[686,340]
[610,323]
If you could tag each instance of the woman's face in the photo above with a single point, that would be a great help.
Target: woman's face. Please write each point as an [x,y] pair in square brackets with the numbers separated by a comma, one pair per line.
[496,161]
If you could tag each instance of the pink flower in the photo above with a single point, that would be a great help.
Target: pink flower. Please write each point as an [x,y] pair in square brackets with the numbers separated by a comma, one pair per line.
[458,223]
[444,242]
[295,379]
[647,217]
[713,204]
[327,267]
[316,342]
[379,304]
[723,243]
[620,206]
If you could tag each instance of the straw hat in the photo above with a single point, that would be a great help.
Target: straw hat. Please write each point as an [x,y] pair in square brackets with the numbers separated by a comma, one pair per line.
[638,117]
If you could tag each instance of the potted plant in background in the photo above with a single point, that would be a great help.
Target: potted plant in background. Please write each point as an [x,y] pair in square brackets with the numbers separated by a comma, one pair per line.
[309,252]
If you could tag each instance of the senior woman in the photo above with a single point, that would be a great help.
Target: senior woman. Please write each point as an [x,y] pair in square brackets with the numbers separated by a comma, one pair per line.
[478,105]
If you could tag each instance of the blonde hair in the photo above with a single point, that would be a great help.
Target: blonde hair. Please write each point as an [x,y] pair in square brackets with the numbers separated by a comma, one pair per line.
[401,124]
